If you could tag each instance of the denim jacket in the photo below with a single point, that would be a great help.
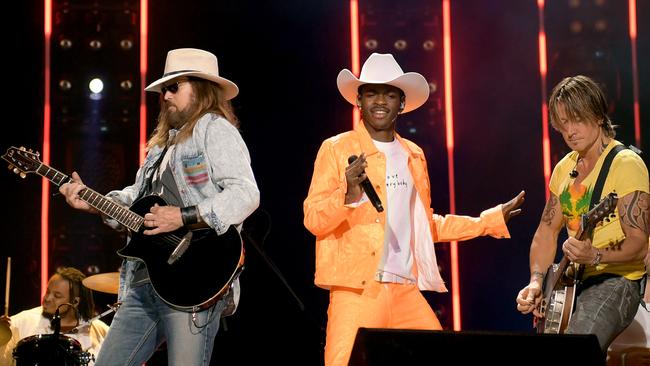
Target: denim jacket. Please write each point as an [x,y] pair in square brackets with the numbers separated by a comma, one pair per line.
[212,171]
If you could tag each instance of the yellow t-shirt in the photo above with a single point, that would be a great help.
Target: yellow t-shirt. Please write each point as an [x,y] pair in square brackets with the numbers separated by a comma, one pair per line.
[627,174]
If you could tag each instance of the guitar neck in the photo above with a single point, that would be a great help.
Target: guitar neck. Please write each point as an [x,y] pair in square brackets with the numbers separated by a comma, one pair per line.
[584,231]
[96,200]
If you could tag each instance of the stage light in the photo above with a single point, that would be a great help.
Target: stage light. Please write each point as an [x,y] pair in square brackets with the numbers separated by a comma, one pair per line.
[371,44]
[65,85]
[429,45]
[433,87]
[126,44]
[574,3]
[92,269]
[576,27]
[600,25]
[126,85]
[400,45]
[65,43]
[95,45]
[96,86]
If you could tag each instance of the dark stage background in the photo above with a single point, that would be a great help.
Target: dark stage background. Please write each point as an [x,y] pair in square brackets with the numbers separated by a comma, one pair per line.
[285,56]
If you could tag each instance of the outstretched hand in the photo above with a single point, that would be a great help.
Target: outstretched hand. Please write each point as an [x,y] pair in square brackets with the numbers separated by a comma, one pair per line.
[511,208]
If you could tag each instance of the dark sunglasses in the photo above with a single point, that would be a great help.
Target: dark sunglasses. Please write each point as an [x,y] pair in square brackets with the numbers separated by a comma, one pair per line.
[172,88]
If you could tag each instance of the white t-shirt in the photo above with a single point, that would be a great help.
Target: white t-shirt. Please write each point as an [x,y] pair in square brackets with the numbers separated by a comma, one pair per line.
[31,322]
[397,262]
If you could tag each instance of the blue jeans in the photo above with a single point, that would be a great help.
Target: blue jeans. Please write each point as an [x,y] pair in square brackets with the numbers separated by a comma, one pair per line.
[605,309]
[144,322]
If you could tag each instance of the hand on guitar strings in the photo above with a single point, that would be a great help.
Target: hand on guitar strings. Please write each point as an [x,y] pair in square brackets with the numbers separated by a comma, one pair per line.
[71,191]
[162,219]
[580,252]
[529,298]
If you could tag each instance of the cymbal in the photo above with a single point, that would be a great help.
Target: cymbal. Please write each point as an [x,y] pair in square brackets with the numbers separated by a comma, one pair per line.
[103,282]
[5,333]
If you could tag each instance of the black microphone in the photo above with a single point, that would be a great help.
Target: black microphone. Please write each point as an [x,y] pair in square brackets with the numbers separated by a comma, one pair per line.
[55,323]
[368,188]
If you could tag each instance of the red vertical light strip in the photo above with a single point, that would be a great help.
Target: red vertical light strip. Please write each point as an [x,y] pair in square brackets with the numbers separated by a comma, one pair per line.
[635,73]
[449,125]
[354,49]
[546,142]
[45,185]
[144,8]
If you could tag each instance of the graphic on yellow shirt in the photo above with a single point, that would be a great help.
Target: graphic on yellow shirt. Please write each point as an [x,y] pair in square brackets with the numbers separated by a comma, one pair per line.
[575,199]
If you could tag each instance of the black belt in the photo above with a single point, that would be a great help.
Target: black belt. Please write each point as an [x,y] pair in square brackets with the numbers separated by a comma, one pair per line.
[596,280]
[600,278]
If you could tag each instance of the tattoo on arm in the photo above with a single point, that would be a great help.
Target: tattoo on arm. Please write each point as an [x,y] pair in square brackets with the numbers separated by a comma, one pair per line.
[537,274]
[549,210]
[635,211]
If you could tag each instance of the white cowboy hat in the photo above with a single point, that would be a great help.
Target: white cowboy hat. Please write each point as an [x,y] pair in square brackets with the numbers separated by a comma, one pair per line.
[383,69]
[197,63]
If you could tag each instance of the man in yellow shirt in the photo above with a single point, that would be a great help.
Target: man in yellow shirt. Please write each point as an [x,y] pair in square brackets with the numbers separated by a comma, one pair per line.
[609,294]
[375,262]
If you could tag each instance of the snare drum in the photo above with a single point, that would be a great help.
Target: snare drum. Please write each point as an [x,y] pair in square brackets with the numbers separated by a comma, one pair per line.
[46,349]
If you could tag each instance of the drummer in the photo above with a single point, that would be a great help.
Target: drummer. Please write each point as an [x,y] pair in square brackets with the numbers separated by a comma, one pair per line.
[63,287]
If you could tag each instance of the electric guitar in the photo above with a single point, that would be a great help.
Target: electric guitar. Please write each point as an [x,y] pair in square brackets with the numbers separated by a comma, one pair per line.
[189,269]
[561,279]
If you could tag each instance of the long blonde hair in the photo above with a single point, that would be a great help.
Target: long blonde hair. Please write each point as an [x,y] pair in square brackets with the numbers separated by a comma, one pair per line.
[207,98]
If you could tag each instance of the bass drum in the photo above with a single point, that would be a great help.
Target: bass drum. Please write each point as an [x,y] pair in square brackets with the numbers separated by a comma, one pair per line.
[46,349]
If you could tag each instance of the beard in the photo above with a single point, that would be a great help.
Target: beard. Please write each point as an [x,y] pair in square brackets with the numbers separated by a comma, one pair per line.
[63,311]
[177,118]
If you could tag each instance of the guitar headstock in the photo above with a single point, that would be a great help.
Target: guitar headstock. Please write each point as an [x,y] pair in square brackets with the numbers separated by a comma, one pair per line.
[602,210]
[22,161]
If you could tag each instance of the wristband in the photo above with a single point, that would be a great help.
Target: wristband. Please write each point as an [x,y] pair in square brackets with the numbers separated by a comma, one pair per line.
[599,256]
[190,215]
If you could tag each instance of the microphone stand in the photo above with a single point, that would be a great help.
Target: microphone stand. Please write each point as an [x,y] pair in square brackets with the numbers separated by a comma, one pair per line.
[55,323]
[274,268]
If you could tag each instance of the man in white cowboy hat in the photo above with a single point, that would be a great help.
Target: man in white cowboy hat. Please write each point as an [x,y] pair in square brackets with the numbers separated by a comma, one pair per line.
[375,262]
[199,164]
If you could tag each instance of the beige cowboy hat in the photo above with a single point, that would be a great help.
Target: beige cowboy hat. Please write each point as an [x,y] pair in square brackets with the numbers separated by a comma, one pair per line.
[383,69]
[197,63]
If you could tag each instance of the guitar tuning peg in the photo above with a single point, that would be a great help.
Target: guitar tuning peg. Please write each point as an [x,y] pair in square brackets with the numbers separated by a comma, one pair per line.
[31,151]
[38,154]
[16,170]
[22,148]
[23,175]
[11,167]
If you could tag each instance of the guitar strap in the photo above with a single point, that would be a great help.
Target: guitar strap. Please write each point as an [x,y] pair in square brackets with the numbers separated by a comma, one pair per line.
[602,175]
[147,185]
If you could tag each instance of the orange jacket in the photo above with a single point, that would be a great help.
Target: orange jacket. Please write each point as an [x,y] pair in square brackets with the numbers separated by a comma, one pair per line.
[350,241]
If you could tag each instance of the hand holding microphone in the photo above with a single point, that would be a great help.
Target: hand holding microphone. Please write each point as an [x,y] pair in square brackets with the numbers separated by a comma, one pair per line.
[358,180]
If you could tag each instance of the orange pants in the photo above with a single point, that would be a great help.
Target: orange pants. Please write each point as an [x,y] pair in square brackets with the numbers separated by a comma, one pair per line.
[382,305]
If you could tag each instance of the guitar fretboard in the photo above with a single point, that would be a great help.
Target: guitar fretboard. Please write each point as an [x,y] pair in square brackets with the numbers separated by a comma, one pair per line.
[96,200]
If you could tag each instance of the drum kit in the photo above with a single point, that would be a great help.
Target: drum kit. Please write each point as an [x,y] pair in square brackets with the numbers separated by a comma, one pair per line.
[57,349]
